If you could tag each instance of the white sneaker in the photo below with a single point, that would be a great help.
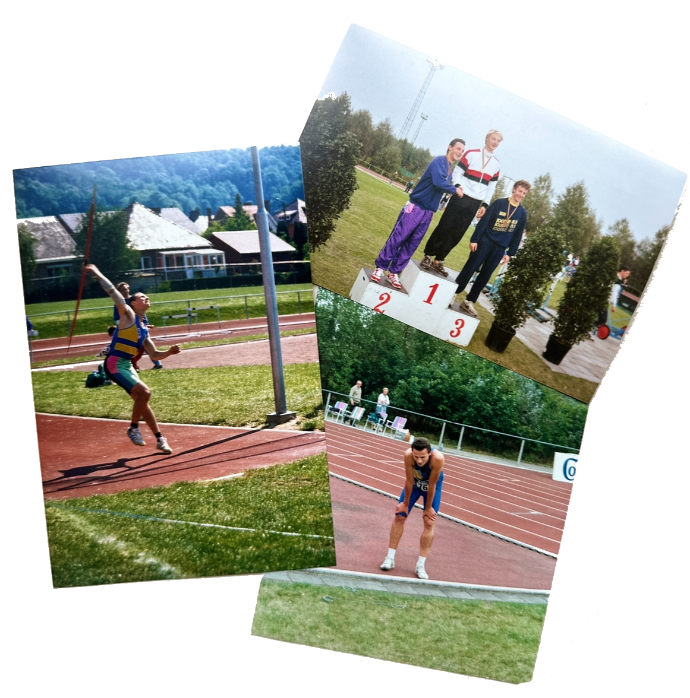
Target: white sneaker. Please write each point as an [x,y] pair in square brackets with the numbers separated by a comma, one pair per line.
[421,572]
[468,307]
[388,564]
[376,276]
[162,445]
[394,280]
[135,436]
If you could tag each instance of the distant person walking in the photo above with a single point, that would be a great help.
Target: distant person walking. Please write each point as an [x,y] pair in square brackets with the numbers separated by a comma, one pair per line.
[383,402]
[409,186]
[355,396]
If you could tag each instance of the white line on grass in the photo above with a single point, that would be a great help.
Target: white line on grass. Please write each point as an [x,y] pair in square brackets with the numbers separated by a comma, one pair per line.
[189,523]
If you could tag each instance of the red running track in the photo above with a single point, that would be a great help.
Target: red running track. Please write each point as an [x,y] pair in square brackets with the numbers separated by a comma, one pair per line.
[362,522]
[81,457]
[56,348]
[523,505]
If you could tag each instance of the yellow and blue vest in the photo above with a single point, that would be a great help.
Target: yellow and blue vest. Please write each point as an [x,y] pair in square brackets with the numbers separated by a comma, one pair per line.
[127,343]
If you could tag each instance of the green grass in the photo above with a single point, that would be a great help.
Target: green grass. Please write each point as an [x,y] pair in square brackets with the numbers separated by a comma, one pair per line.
[231,301]
[96,548]
[493,640]
[361,233]
[363,230]
[183,345]
[228,395]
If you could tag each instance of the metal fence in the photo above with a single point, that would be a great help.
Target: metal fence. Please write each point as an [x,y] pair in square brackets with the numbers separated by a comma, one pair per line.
[464,438]
[305,302]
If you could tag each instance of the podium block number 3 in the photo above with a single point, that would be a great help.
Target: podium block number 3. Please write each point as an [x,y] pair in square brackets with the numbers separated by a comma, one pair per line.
[459,324]
[384,298]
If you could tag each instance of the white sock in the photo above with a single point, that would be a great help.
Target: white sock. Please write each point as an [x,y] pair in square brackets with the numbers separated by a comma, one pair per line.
[391,553]
[421,561]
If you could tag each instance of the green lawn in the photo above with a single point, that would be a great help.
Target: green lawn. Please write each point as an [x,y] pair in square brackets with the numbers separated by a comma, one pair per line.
[183,345]
[361,233]
[232,307]
[493,640]
[228,395]
[88,547]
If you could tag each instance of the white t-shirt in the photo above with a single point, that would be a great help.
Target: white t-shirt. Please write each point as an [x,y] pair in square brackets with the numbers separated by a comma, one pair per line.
[384,399]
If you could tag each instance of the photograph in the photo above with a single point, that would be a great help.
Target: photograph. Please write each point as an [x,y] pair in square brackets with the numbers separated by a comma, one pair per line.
[486,455]
[447,184]
[169,314]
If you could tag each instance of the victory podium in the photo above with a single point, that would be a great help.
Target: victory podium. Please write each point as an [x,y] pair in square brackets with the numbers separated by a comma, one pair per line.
[423,302]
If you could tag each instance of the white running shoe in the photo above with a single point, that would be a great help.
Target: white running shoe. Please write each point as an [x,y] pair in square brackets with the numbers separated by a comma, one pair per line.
[468,307]
[135,436]
[162,445]
[388,564]
[376,276]
[421,572]
[394,280]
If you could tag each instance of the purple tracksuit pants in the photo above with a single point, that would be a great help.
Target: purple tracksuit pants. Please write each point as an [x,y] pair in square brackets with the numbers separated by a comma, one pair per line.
[402,243]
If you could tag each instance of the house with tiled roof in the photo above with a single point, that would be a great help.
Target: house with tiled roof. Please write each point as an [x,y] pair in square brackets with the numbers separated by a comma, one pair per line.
[224,212]
[243,246]
[164,244]
[294,216]
[54,247]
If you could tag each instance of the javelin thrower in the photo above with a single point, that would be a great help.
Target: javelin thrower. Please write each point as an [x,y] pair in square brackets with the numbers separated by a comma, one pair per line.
[128,339]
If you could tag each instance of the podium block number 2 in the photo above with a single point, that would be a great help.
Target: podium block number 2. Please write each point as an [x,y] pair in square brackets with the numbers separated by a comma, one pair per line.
[433,288]
[459,324]
[384,298]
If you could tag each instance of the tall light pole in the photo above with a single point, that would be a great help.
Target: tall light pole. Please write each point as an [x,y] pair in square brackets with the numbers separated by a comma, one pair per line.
[423,118]
[435,65]
[281,414]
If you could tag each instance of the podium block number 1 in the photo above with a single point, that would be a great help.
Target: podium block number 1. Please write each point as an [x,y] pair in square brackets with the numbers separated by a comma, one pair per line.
[433,288]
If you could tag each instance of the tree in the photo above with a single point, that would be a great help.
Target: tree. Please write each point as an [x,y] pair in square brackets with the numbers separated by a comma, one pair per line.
[241,220]
[388,159]
[329,156]
[110,248]
[647,254]
[539,203]
[499,191]
[587,292]
[27,257]
[575,220]
[362,126]
[621,233]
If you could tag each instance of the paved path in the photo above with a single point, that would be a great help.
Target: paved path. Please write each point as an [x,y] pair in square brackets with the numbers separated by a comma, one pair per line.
[589,359]
[325,576]
[56,348]
[300,349]
[84,456]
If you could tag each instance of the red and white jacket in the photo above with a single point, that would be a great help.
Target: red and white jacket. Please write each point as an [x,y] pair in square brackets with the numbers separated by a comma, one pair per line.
[477,182]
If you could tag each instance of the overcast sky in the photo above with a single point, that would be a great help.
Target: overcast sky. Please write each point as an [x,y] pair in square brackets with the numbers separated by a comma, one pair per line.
[385,77]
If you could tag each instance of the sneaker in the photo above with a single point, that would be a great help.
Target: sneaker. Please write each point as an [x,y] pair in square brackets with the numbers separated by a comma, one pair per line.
[468,307]
[439,268]
[421,572]
[135,436]
[376,276]
[394,281]
[162,445]
[426,262]
[158,364]
[388,564]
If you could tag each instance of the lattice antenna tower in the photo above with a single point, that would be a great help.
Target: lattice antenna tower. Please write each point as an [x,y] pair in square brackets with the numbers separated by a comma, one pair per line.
[435,65]
[423,118]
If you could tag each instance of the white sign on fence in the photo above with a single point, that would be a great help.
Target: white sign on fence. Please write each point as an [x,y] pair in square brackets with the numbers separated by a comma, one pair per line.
[564,466]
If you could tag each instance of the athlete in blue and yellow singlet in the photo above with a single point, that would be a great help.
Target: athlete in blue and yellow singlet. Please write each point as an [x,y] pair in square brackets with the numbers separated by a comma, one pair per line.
[129,338]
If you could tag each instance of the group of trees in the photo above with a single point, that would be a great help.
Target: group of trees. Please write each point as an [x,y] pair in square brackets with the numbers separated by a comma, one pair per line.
[435,378]
[187,181]
[570,214]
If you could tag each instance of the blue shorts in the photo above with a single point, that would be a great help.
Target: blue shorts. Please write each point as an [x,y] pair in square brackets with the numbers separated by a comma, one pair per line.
[417,493]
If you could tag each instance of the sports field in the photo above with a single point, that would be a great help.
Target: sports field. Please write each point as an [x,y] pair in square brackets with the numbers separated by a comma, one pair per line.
[492,640]
[233,498]
[361,233]
[231,300]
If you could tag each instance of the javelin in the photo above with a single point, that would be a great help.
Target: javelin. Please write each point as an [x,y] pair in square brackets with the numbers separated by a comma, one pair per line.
[87,249]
